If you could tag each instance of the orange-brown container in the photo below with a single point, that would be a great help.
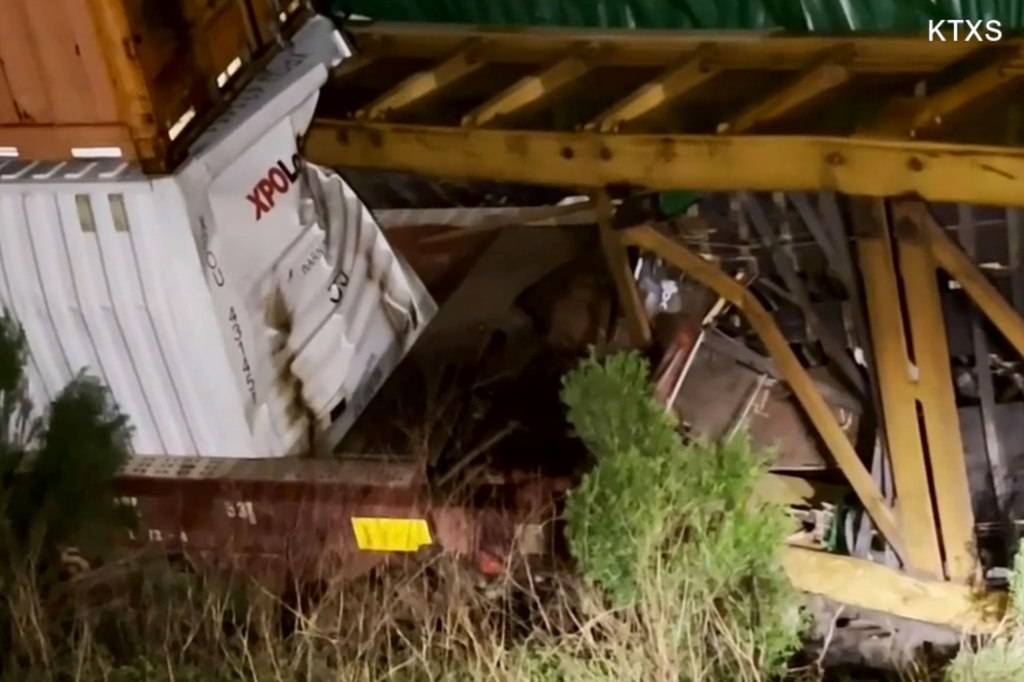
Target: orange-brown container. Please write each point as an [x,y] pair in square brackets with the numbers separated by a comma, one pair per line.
[81,78]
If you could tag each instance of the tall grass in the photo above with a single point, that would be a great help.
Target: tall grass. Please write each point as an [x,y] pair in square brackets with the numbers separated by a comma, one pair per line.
[679,575]
[1001,658]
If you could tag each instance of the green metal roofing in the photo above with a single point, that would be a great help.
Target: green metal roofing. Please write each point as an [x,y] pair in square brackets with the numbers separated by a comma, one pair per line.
[819,16]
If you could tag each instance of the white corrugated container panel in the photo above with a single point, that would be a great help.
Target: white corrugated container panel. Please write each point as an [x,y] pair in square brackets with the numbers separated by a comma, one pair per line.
[99,266]
[234,308]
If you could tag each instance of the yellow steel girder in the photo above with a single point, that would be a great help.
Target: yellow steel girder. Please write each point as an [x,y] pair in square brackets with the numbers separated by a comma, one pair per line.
[692,72]
[898,398]
[921,423]
[950,101]
[802,385]
[532,89]
[872,586]
[879,168]
[833,72]
[934,380]
[470,133]
[465,61]
[618,267]
[959,266]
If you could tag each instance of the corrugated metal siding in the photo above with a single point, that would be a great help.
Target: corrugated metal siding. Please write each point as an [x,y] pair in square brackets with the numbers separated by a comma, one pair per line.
[102,273]
[792,15]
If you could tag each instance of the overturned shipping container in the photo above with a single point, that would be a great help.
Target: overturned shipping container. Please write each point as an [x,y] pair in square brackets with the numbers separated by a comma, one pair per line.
[247,306]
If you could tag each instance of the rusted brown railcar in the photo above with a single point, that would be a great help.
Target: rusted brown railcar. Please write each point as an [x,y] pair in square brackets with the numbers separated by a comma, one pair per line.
[304,520]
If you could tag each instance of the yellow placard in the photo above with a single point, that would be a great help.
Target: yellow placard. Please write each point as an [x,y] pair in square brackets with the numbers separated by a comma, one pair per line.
[391,535]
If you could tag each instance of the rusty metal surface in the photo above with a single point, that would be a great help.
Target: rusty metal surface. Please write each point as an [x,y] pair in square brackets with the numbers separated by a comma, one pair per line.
[441,264]
[767,409]
[291,519]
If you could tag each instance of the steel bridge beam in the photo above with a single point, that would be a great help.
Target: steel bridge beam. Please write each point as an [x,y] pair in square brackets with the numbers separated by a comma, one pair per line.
[879,588]
[951,101]
[617,262]
[940,422]
[789,366]
[689,74]
[896,386]
[532,90]
[878,168]
[417,87]
[913,369]
[814,83]
[960,267]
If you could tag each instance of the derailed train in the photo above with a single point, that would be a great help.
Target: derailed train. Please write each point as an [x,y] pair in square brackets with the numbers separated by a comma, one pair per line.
[840,287]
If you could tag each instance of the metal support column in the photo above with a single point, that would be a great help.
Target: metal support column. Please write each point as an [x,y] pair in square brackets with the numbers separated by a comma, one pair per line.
[792,371]
[913,370]
[618,266]
[940,422]
[894,373]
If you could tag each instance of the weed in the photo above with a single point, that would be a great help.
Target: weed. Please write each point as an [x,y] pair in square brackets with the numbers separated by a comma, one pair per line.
[680,578]
[1001,659]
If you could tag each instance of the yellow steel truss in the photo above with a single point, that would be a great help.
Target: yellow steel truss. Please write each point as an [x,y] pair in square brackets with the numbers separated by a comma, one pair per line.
[464,110]
[917,392]
[796,376]
[936,171]
[526,106]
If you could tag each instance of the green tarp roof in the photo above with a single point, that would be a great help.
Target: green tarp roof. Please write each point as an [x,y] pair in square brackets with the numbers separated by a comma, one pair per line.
[820,16]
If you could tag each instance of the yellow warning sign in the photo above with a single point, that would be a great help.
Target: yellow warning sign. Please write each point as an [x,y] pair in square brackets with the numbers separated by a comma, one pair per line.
[391,535]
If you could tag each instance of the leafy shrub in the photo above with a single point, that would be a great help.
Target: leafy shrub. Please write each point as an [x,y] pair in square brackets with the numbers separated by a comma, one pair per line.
[64,494]
[672,531]
[56,471]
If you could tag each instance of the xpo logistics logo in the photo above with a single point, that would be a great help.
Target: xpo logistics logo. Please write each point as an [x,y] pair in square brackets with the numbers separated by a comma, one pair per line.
[276,182]
[965,31]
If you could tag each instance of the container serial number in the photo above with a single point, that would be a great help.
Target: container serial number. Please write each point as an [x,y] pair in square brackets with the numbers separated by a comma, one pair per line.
[236,328]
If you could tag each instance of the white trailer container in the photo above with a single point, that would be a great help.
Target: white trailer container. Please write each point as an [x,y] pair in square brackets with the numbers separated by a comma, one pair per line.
[247,306]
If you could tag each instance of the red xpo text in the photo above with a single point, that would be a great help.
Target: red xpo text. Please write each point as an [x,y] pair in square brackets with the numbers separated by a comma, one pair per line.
[278,179]
[964,30]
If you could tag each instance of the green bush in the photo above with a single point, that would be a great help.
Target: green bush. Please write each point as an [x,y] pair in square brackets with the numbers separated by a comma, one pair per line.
[671,530]
[64,496]
[56,471]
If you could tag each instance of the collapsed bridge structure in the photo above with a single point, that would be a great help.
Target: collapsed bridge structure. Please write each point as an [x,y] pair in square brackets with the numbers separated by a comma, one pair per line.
[856,207]
[815,238]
